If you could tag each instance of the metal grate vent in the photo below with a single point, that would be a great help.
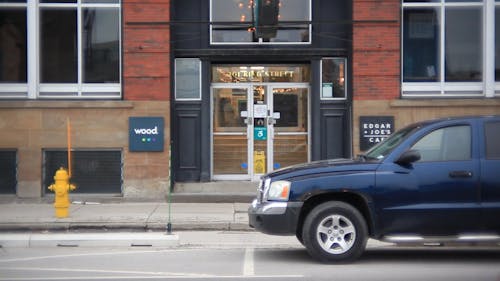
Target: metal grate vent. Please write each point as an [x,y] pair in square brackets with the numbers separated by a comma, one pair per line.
[92,171]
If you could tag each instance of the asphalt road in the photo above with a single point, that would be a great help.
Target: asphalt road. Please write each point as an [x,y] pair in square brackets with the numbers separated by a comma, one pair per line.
[239,262]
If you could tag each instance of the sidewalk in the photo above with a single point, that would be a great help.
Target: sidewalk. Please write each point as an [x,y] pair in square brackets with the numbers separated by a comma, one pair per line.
[126,224]
[140,216]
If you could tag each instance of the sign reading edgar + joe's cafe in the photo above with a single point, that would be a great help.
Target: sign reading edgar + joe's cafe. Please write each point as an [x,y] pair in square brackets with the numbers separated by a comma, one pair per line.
[374,129]
[145,133]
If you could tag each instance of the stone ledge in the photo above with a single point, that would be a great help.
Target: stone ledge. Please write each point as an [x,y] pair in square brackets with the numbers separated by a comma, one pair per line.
[490,102]
[66,104]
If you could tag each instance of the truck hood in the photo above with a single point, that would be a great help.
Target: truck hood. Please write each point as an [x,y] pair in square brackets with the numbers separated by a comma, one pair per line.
[324,166]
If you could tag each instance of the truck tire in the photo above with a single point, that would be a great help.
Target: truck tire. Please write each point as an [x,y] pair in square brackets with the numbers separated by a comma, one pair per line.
[335,232]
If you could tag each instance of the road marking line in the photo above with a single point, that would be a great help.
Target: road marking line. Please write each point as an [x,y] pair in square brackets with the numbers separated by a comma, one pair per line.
[248,263]
[128,274]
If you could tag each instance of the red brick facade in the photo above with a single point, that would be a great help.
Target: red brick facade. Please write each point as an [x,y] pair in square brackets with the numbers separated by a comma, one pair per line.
[146,50]
[376,49]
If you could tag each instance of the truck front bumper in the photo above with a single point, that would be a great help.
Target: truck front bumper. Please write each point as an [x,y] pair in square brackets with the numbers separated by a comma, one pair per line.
[279,218]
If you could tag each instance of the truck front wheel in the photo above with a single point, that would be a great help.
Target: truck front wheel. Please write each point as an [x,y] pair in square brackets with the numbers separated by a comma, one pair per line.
[335,232]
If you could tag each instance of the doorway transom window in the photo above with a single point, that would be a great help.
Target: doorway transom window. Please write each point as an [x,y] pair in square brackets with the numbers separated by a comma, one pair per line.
[260,22]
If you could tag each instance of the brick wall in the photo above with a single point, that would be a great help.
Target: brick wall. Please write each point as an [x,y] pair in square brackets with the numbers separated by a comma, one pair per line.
[376,49]
[146,49]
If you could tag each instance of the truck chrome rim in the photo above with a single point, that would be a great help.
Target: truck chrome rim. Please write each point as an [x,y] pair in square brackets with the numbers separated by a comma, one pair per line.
[336,234]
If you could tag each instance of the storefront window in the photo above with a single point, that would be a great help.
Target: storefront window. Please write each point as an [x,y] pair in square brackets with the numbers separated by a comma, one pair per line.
[99,45]
[447,47]
[13,45]
[60,48]
[258,21]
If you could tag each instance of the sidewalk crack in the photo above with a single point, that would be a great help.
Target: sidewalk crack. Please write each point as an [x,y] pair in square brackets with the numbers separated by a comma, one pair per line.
[151,214]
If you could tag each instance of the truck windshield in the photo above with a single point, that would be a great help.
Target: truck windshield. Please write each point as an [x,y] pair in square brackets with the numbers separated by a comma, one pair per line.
[381,150]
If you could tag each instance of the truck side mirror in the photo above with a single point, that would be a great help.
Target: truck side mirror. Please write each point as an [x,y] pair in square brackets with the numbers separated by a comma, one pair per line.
[408,157]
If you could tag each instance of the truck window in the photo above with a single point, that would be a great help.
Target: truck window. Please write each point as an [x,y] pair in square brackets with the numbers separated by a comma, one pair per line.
[383,148]
[492,133]
[445,144]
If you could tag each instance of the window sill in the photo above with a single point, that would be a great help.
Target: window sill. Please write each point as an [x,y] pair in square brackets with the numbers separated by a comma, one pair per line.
[446,102]
[66,104]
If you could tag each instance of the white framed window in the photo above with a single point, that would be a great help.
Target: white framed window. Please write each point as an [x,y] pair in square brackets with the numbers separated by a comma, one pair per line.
[260,21]
[187,79]
[333,79]
[62,49]
[448,48]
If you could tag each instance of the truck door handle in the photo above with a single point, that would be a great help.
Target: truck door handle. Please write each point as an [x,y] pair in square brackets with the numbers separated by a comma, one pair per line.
[460,174]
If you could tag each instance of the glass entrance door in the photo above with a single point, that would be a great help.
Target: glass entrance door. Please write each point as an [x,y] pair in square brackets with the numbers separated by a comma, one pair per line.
[230,140]
[290,126]
[258,128]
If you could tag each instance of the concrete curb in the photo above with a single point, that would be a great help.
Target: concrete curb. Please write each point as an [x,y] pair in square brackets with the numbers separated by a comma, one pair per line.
[122,226]
[150,239]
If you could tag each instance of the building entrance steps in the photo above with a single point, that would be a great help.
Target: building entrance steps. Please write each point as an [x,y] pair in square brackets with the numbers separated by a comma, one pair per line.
[216,191]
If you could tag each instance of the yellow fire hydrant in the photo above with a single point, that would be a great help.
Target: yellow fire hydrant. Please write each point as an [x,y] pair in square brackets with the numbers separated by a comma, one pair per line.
[61,188]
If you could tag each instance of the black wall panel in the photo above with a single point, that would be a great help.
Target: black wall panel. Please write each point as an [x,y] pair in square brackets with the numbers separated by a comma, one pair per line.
[335,136]
[187,136]
[8,168]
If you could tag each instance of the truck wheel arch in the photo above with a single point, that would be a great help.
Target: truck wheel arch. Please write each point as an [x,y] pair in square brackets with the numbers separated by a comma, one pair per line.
[356,200]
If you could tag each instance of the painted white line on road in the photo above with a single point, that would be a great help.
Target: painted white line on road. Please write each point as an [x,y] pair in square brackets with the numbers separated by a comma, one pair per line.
[248,264]
[129,252]
[128,275]
[125,272]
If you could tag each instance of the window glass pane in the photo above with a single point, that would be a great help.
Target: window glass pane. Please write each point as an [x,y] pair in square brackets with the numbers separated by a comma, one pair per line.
[237,15]
[463,46]
[57,1]
[187,78]
[13,45]
[58,44]
[421,45]
[289,11]
[497,43]
[492,132]
[448,144]
[421,1]
[233,11]
[277,21]
[100,39]
[101,1]
[333,78]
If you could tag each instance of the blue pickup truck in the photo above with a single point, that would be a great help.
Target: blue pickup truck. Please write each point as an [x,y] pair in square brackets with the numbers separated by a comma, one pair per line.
[435,181]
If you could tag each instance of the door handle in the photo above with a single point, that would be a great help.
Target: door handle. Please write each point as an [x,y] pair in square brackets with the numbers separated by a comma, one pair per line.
[460,174]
